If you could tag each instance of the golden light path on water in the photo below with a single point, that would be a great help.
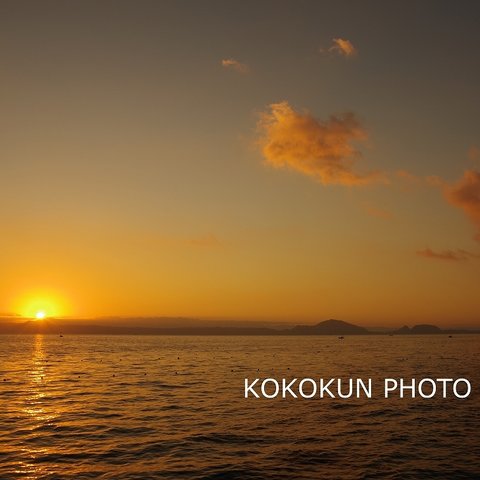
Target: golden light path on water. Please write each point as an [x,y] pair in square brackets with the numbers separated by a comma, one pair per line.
[141,407]
[41,413]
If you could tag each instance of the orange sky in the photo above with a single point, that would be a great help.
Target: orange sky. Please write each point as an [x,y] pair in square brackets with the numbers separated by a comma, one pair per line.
[276,162]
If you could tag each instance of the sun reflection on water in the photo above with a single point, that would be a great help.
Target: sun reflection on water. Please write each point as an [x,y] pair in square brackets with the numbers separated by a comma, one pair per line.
[41,414]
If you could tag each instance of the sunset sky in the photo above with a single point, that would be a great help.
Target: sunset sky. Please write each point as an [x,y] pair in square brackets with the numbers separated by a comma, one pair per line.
[241,160]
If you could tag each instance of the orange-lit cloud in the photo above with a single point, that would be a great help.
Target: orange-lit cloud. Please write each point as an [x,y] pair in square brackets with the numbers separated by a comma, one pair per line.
[436,181]
[408,181]
[408,177]
[343,47]
[465,194]
[451,255]
[206,241]
[320,149]
[233,64]
[377,212]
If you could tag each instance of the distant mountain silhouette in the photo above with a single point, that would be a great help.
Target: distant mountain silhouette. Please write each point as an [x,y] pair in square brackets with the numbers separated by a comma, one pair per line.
[418,330]
[329,327]
[84,327]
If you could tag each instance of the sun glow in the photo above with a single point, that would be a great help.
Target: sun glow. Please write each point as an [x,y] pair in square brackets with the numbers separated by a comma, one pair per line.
[39,305]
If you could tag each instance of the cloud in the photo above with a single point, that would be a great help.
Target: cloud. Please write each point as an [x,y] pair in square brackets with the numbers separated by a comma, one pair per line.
[206,241]
[320,149]
[343,47]
[377,212]
[465,194]
[436,181]
[457,255]
[407,181]
[473,154]
[233,64]
[408,177]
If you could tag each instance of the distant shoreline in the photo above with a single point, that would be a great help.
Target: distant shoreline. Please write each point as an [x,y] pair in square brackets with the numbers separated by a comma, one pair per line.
[326,328]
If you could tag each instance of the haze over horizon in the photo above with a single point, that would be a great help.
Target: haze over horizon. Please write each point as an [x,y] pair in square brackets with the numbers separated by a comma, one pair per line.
[159,322]
[273,161]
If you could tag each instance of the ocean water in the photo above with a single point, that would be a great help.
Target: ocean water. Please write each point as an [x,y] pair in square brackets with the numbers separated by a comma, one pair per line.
[148,407]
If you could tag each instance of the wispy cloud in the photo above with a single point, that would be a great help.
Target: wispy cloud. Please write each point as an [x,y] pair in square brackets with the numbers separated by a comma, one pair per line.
[436,181]
[457,255]
[205,241]
[408,181]
[233,64]
[474,154]
[377,212]
[208,241]
[341,46]
[320,149]
[408,177]
[465,194]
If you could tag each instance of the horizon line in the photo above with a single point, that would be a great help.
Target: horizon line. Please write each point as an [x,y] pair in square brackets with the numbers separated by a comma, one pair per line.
[265,323]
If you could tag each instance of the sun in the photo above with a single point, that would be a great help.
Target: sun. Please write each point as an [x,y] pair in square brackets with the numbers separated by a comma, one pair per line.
[41,304]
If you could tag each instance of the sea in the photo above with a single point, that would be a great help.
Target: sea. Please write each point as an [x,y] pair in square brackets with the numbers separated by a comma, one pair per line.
[174,407]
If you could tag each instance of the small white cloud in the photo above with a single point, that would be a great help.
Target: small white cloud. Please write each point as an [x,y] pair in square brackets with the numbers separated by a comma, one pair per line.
[343,47]
[235,65]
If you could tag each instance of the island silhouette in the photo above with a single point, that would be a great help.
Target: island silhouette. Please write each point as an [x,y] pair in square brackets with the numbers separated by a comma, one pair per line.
[191,327]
